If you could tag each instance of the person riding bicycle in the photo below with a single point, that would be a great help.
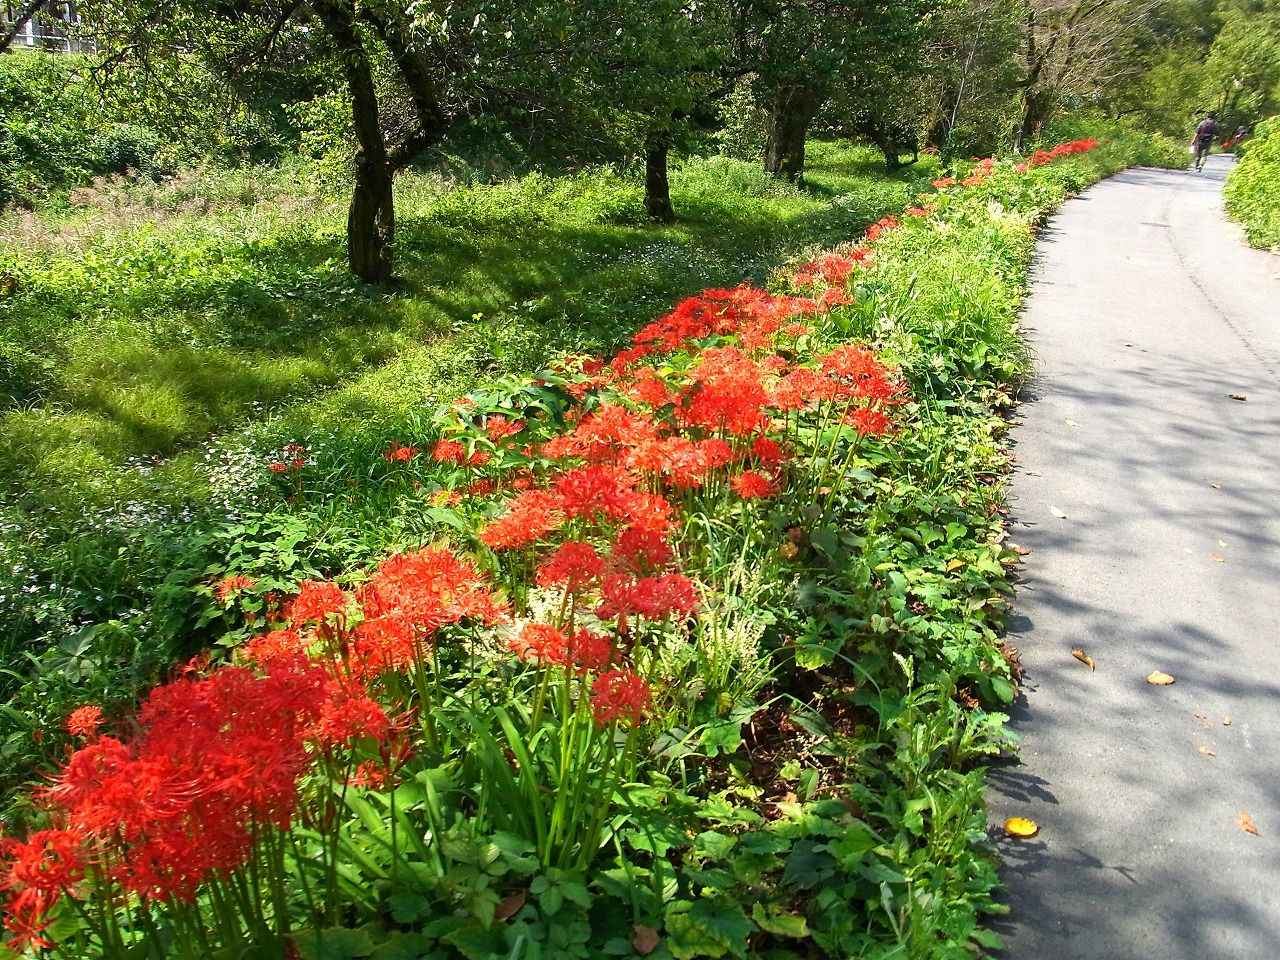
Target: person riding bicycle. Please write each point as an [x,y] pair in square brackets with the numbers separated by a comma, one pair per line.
[1205,132]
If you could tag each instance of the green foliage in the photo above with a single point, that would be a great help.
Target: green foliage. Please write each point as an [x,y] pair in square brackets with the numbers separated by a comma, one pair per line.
[52,134]
[1251,193]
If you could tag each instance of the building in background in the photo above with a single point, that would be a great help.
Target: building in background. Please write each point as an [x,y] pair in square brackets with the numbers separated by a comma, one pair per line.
[40,25]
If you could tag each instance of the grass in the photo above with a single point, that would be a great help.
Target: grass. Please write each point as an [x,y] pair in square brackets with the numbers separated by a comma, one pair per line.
[153,317]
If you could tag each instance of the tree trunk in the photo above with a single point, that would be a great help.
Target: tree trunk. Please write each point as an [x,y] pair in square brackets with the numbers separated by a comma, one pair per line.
[371,220]
[657,186]
[791,111]
[1036,106]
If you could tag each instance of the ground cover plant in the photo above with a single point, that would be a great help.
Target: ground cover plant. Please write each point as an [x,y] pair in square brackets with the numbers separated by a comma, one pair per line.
[688,652]
[1250,192]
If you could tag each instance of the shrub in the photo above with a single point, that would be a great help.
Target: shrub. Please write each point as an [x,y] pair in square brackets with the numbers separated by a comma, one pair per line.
[1251,194]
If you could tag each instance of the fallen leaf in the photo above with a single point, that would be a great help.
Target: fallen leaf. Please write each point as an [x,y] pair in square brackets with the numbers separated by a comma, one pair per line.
[509,906]
[954,565]
[1160,679]
[646,939]
[1216,486]
[1237,396]
[1226,721]
[1022,551]
[1219,559]
[1083,657]
[1128,344]
[1057,513]
[1207,752]
[1032,473]
[1021,827]
[1246,823]
[1071,423]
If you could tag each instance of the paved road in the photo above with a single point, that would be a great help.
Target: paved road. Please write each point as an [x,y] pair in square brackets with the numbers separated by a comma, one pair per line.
[1146,312]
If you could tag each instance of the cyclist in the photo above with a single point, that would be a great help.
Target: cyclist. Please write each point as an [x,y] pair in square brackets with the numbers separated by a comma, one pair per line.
[1205,132]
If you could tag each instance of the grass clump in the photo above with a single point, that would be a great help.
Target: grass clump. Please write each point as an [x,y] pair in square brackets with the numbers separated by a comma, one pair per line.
[1251,194]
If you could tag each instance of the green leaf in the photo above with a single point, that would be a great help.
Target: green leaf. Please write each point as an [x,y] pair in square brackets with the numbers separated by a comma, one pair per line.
[333,943]
[781,924]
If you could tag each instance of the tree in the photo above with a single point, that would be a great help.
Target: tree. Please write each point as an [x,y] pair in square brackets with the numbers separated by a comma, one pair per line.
[1075,47]
[801,52]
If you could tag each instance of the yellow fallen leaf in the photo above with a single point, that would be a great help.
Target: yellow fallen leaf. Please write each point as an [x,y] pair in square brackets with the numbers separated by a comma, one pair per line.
[1071,423]
[1159,679]
[1216,486]
[1021,827]
[1226,721]
[1219,559]
[1083,657]
[1246,823]
[1207,752]
[954,565]
[1057,513]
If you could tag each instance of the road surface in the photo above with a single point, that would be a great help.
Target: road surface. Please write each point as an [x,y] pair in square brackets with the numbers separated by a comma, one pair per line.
[1147,314]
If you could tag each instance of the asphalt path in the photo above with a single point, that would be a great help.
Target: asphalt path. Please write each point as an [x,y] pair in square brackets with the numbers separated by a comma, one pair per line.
[1150,501]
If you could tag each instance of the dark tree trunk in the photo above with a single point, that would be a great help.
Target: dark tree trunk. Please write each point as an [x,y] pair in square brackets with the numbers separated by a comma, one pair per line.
[657,186]
[1036,106]
[791,110]
[371,221]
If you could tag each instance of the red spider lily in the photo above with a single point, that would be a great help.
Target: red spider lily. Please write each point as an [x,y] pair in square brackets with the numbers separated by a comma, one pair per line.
[270,646]
[541,643]
[228,586]
[869,421]
[766,451]
[881,227]
[653,597]
[429,589]
[449,451]
[317,600]
[751,485]
[573,566]
[398,453]
[943,182]
[618,695]
[499,427]
[84,721]
[36,872]
[600,435]
[641,551]
[529,517]
[596,492]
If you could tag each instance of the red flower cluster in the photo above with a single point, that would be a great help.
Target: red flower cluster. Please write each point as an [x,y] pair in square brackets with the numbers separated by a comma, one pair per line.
[216,763]
[399,453]
[620,695]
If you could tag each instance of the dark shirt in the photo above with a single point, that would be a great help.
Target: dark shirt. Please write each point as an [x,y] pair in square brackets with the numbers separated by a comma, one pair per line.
[1206,130]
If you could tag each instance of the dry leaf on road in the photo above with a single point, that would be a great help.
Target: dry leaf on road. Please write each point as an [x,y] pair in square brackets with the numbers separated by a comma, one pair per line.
[1207,752]
[1216,486]
[1159,679]
[1237,396]
[1083,657]
[1219,559]
[1021,827]
[1226,721]
[1057,513]
[1246,823]
[1071,423]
